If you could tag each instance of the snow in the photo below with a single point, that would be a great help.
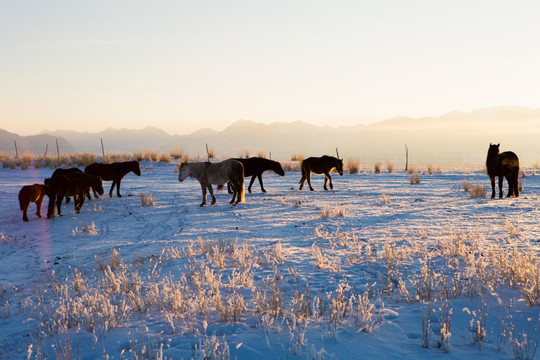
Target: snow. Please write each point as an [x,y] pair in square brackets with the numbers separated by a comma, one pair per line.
[281,237]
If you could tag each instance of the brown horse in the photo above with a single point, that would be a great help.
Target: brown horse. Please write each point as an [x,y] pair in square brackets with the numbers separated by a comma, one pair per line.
[28,194]
[76,185]
[320,165]
[115,172]
[503,165]
[217,174]
[255,167]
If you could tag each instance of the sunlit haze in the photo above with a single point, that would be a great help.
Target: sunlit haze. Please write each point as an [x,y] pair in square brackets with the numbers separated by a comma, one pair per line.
[186,65]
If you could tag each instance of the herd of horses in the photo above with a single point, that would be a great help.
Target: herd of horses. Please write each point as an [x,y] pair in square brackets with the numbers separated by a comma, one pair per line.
[67,183]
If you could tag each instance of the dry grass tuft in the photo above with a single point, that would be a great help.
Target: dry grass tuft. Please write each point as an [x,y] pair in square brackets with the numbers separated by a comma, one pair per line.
[147,200]
[415,178]
[390,167]
[353,165]
[377,167]
[166,158]
[298,157]
[244,154]
[474,190]
[332,211]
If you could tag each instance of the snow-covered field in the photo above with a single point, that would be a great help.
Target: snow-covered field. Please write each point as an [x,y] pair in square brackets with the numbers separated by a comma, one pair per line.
[377,269]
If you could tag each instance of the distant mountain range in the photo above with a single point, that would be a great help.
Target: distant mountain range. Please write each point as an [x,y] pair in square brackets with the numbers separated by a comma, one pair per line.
[451,139]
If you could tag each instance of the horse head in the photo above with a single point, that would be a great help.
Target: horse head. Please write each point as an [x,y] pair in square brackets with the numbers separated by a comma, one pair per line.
[184,172]
[278,169]
[136,168]
[97,185]
[339,166]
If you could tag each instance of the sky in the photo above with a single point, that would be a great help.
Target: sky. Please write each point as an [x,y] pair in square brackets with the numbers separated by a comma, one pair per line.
[186,65]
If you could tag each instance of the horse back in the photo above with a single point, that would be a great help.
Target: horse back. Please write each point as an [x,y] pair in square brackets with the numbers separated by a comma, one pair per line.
[31,193]
[508,162]
[317,165]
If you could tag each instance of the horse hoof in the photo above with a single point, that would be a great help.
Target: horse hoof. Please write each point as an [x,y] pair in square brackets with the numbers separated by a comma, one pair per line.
[26,220]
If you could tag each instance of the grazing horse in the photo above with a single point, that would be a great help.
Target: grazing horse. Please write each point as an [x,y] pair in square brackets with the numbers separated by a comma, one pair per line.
[255,167]
[320,165]
[70,171]
[503,165]
[31,193]
[76,185]
[115,172]
[218,174]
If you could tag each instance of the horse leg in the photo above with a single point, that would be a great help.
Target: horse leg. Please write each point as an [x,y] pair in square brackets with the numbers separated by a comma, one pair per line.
[516,185]
[203,186]
[501,178]
[112,187]
[309,180]
[492,179]
[235,194]
[118,188]
[211,193]
[82,197]
[327,175]
[302,180]
[50,210]
[229,190]
[251,183]
[38,206]
[24,208]
[59,200]
[260,182]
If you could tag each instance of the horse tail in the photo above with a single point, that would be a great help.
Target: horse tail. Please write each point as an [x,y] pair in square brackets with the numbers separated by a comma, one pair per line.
[302,167]
[241,188]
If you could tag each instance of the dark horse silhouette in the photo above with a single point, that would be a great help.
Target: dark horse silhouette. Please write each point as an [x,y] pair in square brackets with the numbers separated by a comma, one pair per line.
[505,165]
[70,171]
[255,167]
[115,172]
[320,165]
[74,184]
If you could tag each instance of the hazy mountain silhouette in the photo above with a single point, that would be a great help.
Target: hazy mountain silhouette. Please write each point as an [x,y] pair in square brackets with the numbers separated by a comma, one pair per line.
[36,144]
[453,138]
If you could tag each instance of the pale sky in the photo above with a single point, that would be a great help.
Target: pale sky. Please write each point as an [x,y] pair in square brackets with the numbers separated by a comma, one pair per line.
[184,65]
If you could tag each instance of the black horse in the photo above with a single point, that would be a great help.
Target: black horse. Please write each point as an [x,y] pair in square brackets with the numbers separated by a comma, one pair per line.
[255,167]
[70,171]
[115,172]
[320,165]
[74,184]
[503,165]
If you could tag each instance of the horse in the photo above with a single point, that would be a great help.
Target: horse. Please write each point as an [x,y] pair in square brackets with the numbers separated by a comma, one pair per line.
[255,167]
[75,184]
[115,172]
[218,174]
[61,171]
[505,165]
[320,165]
[31,193]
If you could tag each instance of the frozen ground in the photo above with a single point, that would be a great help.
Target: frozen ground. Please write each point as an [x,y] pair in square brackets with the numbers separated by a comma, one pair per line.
[279,276]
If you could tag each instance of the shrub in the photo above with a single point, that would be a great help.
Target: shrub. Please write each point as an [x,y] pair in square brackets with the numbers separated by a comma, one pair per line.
[475,190]
[377,167]
[165,158]
[390,167]
[353,166]
[298,157]
[415,178]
